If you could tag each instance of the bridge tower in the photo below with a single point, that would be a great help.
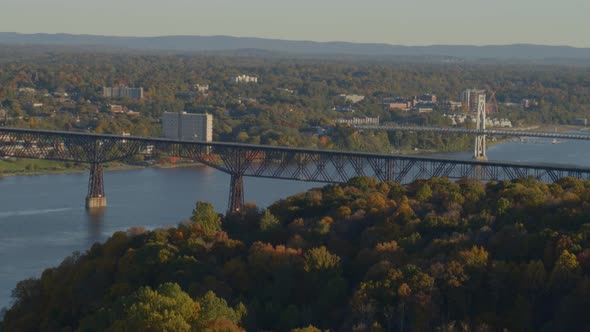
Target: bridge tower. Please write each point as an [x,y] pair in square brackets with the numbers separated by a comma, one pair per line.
[480,123]
[96,197]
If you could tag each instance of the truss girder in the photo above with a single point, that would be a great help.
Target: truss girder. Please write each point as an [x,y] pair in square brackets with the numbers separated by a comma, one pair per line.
[268,161]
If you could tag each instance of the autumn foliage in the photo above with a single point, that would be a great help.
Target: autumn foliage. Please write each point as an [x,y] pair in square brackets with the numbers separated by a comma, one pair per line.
[433,255]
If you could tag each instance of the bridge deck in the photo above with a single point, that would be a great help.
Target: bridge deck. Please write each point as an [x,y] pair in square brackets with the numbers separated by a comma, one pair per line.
[500,132]
[275,162]
[270,148]
[271,161]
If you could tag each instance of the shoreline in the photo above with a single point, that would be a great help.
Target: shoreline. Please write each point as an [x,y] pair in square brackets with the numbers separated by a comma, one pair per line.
[114,168]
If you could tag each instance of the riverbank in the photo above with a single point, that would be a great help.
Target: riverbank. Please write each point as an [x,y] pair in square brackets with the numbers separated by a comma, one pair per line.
[53,169]
[551,128]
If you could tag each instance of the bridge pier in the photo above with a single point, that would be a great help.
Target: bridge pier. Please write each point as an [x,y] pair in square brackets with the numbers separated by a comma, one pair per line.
[235,203]
[96,197]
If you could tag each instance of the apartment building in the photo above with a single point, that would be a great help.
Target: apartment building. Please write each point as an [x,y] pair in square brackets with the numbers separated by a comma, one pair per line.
[188,126]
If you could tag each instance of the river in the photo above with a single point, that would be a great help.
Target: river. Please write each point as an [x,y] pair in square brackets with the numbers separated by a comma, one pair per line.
[43,219]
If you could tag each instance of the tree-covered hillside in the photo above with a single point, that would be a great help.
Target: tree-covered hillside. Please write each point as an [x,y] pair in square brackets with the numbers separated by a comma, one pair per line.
[435,255]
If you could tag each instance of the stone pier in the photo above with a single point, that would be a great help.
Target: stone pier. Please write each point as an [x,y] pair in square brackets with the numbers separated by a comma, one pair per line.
[96,202]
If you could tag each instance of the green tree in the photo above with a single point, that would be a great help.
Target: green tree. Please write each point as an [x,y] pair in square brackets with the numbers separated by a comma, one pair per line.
[502,205]
[320,259]
[167,308]
[268,221]
[475,258]
[204,214]
[215,310]
[403,292]
[566,263]
[424,193]
[565,271]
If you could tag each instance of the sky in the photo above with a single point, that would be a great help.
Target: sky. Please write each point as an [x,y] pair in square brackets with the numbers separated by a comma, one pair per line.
[401,22]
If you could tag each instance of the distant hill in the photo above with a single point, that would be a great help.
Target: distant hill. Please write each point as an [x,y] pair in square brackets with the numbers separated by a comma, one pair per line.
[229,44]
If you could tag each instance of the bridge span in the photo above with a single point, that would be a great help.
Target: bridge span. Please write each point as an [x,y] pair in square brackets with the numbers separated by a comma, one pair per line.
[480,133]
[240,160]
[477,132]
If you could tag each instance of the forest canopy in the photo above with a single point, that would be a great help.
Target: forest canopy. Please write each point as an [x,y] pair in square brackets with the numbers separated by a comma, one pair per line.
[364,255]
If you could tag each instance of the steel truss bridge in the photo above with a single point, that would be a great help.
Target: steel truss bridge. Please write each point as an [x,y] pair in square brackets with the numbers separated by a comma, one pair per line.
[240,160]
[478,132]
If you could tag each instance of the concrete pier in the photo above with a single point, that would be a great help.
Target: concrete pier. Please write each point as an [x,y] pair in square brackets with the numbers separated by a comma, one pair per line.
[96,202]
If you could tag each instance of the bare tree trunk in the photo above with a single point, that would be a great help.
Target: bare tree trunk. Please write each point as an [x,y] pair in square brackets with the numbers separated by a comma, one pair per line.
[401,323]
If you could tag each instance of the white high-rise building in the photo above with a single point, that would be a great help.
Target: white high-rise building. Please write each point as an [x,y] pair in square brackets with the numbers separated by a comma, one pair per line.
[470,98]
[188,126]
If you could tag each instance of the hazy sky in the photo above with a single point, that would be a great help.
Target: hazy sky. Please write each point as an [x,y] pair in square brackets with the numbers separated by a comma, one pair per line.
[408,22]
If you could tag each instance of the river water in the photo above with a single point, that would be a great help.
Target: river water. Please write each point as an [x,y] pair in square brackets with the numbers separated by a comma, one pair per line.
[43,219]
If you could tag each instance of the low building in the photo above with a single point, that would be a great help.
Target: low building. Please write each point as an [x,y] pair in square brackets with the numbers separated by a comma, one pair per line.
[202,88]
[117,108]
[372,121]
[243,79]
[343,109]
[26,90]
[397,103]
[424,107]
[122,91]
[426,98]
[289,91]
[581,122]
[453,106]
[33,105]
[498,123]
[457,119]
[529,103]
[353,99]
[60,94]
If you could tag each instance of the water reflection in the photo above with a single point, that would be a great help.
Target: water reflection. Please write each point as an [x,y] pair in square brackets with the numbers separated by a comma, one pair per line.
[95,221]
